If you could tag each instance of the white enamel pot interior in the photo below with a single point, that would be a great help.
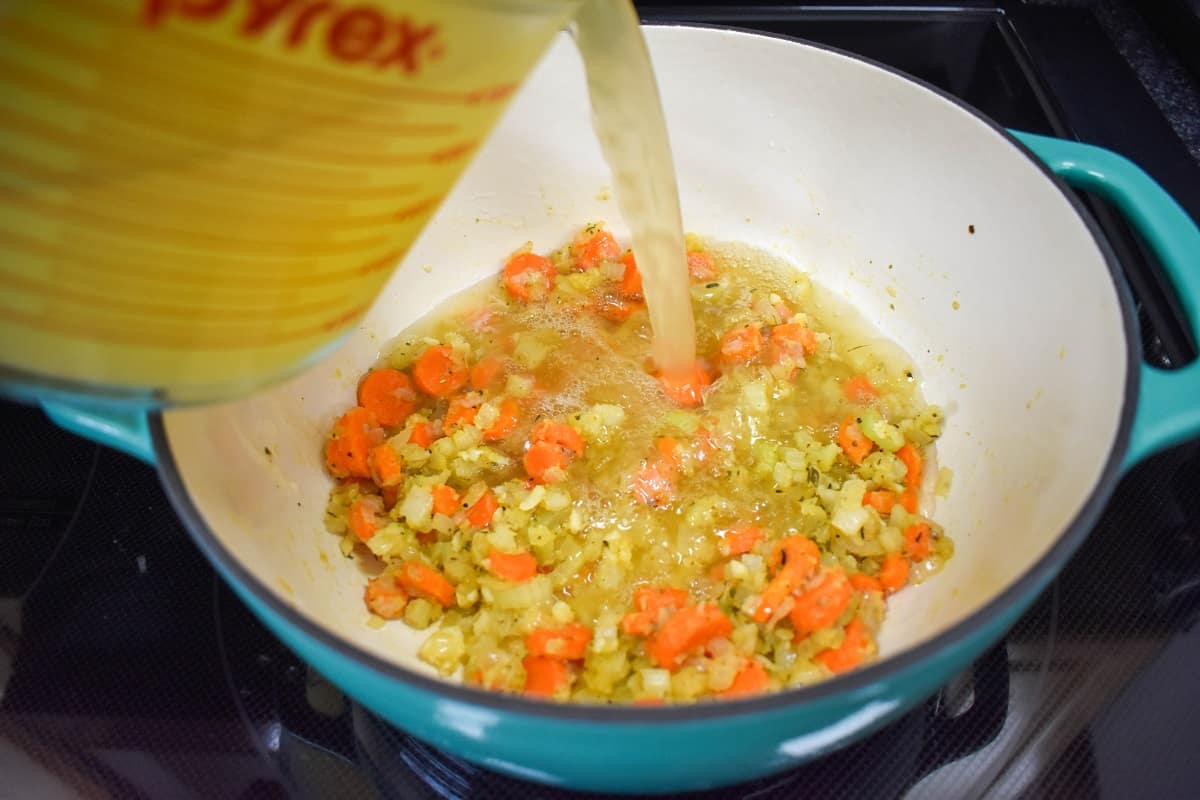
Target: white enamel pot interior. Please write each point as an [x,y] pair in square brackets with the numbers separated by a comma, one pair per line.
[871,183]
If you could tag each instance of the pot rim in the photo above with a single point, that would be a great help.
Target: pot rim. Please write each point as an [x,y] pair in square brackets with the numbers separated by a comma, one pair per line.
[1033,580]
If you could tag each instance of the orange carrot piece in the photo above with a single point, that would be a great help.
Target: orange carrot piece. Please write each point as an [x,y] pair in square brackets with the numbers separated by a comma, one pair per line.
[508,414]
[742,540]
[590,249]
[481,513]
[445,500]
[653,485]
[778,589]
[863,582]
[790,342]
[421,434]
[512,567]
[546,462]
[440,372]
[854,444]
[913,463]
[881,500]
[893,573]
[384,598]
[822,602]
[852,650]
[568,643]
[347,454]
[387,468]
[486,371]
[545,676]
[741,345]
[750,679]
[859,390]
[528,276]
[631,279]
[668,448]
[686,387]
[685,631]
[424,580]
[459,414]
[364,516]
[700,266]
[918,541]
[389,395]
[650,602]
[908,499]
[795,553]
[559,434]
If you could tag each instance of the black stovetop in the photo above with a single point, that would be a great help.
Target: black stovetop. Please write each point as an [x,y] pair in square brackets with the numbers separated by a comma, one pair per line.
[127,669]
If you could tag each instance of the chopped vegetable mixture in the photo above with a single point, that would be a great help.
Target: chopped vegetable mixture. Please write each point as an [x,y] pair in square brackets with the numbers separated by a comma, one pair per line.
[575,524]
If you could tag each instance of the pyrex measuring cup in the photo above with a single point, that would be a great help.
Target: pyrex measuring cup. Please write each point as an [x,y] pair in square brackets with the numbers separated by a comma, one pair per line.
[199,196]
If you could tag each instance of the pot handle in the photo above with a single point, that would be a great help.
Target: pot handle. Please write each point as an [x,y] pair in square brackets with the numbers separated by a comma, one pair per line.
[1168,409]
[124,429]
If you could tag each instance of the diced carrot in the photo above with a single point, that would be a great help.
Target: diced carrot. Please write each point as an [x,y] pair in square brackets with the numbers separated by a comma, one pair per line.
[716,572]
[460,413]
[384,598]
[893,573]
[852,650]
[568,643]
[512,567]
[686,630]
[700,266]
[445,500]
[913,463]
[528,276]
[908,499]
[918,541]
[750,679]
[486,371]
[822,601]
[881,500]
[421,434]
[686,387]
[424,580]
[653,484]
[668,448]
[631,279]
[546,462]
[390,495]
[743,540]
[865,583]
[741,345]
[427,537]
[655,599]
[440,372]
[859,390]
[480,514]
[590,248]
[560,434]
[347,454]
[544,677]
[508,414]
[777,591]
[796,553]
[387,468]
[389,395]
[364,516]
[617,309]
[638,623]
[790,342]
[854,444]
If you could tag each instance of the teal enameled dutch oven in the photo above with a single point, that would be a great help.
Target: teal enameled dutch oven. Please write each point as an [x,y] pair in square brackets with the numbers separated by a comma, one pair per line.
[958,238]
